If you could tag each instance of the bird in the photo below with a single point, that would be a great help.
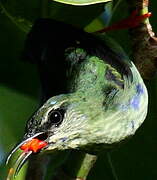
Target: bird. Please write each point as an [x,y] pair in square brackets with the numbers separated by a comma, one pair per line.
[102,99]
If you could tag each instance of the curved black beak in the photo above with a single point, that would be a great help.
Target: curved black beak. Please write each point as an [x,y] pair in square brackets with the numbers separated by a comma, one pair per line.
[22,158]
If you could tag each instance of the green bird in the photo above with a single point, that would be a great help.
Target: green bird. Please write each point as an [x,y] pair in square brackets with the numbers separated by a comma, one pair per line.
[105,100]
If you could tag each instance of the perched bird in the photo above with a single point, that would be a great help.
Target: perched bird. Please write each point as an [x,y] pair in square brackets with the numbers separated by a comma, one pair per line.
[105,100]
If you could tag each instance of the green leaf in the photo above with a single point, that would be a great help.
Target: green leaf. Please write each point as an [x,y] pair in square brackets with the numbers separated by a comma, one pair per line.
[81,2]
[21,23]
[23,13]
[79,16]
[101,21]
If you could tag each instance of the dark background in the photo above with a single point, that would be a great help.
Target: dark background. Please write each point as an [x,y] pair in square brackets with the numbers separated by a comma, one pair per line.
[20,91]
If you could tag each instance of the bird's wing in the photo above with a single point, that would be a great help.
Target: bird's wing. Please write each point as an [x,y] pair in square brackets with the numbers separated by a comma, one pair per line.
[47,43]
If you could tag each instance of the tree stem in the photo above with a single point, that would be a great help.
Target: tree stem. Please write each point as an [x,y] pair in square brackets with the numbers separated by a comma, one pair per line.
[87,164]
[144,42]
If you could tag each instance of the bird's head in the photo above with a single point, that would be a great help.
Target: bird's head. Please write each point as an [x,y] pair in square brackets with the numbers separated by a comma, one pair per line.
[59,124]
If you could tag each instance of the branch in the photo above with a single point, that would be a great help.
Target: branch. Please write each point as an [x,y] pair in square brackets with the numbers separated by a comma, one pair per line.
[144,42]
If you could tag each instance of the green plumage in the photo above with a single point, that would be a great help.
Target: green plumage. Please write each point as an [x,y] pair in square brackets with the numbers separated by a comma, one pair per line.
[105,101]
[99,111]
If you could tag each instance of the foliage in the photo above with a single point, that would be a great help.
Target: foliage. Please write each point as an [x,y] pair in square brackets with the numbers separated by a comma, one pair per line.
[81,2]
[20,89]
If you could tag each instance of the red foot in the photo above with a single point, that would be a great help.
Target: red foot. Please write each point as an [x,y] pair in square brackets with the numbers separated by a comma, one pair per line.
[132,21]
[33,145]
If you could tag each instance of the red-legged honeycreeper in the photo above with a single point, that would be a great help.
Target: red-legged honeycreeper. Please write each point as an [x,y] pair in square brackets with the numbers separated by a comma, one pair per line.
[105,100]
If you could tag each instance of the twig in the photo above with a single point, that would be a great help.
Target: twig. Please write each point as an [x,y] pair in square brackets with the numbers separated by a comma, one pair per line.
[86,166]
[144,42]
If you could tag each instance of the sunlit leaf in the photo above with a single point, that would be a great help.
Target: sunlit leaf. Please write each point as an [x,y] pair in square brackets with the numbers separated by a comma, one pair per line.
[81,2]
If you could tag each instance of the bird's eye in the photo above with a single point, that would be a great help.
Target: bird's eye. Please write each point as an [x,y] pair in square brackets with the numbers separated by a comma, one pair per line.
[56,116]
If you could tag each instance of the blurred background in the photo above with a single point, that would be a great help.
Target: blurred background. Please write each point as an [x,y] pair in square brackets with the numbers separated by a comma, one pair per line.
[20,87]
